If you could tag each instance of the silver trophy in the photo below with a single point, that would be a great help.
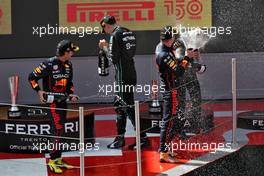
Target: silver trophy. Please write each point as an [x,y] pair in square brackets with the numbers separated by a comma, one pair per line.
[13,112]
[154,106]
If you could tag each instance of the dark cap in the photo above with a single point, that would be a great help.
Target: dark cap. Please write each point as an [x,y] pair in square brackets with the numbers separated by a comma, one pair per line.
[108,20]
[168,32]
[66,45]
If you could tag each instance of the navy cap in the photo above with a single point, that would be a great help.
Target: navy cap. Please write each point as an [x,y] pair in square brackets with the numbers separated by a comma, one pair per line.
[66,45]
[108,20]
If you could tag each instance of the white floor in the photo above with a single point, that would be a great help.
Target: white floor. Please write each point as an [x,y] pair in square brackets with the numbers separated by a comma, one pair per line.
[23,167]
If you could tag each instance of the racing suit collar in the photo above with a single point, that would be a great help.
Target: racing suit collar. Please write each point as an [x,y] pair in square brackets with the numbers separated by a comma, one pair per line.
[60,61]
[115,29]
[166,48]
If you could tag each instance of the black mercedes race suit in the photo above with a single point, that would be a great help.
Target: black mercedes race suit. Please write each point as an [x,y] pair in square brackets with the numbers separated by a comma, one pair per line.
[191,84]
[57,78]
[122,48]
[170,71]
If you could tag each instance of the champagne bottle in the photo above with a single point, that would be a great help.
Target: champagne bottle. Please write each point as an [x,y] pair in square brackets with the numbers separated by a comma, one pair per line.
[51,97]
[103,63]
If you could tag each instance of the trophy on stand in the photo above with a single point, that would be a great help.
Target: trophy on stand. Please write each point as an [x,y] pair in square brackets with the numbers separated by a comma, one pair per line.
[154,106]
[13,112]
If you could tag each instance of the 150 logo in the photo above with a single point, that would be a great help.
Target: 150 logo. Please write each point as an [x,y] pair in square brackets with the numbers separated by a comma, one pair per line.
[181,8]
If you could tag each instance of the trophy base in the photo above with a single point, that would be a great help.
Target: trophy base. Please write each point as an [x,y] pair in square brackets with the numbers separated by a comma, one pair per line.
[14,114]
[155,110]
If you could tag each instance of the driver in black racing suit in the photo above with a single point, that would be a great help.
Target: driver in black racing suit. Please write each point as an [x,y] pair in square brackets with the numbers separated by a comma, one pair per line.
[121,50]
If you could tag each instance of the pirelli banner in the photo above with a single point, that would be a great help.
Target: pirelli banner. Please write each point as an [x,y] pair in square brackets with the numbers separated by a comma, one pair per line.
[5,17]
[136,15]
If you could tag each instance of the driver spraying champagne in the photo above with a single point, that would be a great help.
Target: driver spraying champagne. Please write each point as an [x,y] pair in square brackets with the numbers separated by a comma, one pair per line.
[170,70]
[189,81]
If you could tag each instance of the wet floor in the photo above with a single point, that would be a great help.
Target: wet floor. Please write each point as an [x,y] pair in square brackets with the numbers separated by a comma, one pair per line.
[248,161]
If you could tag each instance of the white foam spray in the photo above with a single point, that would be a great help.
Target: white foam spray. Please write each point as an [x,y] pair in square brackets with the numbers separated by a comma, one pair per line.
[195,38]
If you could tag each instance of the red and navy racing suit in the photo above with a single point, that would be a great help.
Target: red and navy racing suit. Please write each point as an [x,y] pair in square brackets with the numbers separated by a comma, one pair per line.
[170,70]
[57,78]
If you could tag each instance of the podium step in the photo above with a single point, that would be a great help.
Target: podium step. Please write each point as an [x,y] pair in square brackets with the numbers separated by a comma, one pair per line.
[152,122]
[253,120]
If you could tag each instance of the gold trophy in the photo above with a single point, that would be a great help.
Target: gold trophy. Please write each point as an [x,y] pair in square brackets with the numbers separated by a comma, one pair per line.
[13,112]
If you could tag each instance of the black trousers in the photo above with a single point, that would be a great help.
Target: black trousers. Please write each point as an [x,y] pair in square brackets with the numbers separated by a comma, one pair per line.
[173,117]
[125,108]
[58,118]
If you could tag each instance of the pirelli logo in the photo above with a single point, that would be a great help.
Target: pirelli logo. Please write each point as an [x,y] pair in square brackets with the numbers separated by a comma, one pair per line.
[125,11]
[136,14]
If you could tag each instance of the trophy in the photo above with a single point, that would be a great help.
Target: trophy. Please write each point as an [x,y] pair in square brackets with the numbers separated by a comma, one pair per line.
[13,112]
[154,106]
